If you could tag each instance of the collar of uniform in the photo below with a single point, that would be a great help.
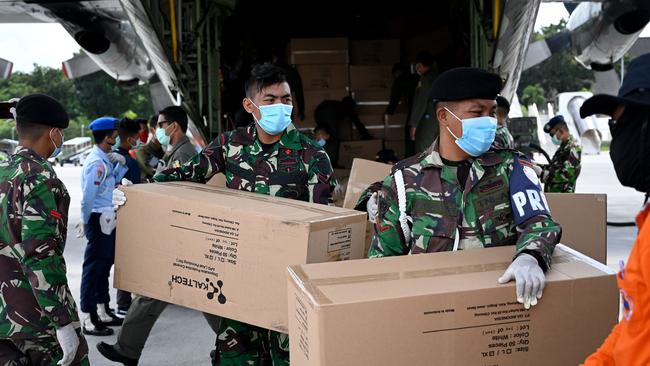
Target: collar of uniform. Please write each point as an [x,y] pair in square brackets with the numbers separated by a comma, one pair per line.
[101,153]
[30,154]
[432,157]
[490,158]
[290,139]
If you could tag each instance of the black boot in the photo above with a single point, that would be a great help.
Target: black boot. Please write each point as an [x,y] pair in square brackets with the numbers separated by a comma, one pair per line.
[91,325]
[111,353]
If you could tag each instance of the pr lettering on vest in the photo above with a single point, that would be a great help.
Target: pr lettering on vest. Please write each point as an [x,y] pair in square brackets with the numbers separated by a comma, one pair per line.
[526,193]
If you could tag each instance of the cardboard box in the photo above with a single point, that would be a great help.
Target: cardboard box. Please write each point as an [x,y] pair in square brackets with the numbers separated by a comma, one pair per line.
[314,97]
[362,175]
[320,77]
[395,133]
[447,309]
[371,109]
[225,251]
[583,217]
[370,77]
[375,52]
[397,119]
[315,51]
[366,149]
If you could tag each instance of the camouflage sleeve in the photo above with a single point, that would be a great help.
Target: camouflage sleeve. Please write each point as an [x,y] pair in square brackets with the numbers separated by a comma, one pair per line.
[41,252]
[388,238]
[201,167]
[320,178]
[365,196]
[538,236]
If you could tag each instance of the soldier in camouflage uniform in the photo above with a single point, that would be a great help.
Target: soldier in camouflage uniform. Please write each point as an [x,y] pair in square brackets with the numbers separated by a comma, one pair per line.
[269,157]
[40,325]
[457,195]
[503,138]
[561,174]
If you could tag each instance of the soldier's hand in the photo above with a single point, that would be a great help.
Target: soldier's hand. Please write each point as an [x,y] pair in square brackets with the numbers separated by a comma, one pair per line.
[371,207]
[81,230]
[529,278]
[119,198]
[160,167]
[69,342]
[412,133]
[116,158]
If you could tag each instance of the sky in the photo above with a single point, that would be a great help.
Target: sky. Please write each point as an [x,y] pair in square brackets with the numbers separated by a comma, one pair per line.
[48,44]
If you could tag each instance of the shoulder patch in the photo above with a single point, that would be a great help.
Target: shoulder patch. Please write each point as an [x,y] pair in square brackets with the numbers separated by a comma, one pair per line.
[526,195]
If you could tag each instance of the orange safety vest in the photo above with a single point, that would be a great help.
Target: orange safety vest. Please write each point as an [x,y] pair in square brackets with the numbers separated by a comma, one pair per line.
[629,342]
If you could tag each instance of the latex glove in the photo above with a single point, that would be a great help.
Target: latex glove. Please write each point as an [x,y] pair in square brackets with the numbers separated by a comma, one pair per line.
[161,166]
[529,277]
[69,342]
[116,158]
[119,198]
[371,207]
[107,221]
[81,230]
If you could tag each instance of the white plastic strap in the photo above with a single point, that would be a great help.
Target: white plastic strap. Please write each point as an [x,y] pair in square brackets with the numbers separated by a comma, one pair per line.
[401,203]
[456,240]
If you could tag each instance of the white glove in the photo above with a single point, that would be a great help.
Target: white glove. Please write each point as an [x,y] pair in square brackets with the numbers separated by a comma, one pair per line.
[116,158]
[107,221]
[119,198]
[161,166]
[153,162]
[371,207]
[538,170]
[81,230]
[69,342]
[529,277]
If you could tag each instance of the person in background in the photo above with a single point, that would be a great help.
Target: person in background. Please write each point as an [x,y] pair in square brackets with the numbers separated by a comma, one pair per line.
[150,154]
[422,123]
[561,175]
[503,138]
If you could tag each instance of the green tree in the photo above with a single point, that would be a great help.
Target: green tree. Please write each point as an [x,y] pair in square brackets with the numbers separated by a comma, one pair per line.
[100,95]
[533,94]
[560,73]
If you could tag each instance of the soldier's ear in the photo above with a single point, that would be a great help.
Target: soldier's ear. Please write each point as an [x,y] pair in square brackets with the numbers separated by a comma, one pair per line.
[248,105]
[441,115]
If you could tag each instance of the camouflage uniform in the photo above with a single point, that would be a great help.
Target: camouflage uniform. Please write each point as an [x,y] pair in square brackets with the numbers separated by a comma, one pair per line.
[503,139]
[481,214]
[295,167]
[561,175]
[34,294]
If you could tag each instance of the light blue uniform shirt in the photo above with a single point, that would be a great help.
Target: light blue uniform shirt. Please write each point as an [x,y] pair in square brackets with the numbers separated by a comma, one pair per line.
[98,180]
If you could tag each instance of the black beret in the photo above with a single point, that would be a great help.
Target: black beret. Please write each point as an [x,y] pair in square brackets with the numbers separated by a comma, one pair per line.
[466,83]
[41,109]
[553,122]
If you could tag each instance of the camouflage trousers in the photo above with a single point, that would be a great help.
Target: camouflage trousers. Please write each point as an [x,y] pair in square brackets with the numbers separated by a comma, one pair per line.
[242,344]
[40,351]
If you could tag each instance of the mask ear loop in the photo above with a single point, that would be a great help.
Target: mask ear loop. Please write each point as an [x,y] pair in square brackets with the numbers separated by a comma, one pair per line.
[460,120]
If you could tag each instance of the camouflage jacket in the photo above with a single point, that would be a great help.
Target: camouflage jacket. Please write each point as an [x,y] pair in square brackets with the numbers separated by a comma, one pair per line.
[34,293]
[295,167]
[482,213]
[562,173]
[503,139]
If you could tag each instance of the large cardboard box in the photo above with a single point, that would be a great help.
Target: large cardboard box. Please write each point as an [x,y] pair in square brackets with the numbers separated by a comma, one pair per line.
[366,149]
[318,51]
[375,52]
[361,96]
[583,217]
[362,175]
[447,309]
[320,77]
[225,251]
[370,77]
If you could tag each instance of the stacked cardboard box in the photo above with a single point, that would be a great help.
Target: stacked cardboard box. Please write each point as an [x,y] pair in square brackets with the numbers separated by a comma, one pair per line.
[323,67]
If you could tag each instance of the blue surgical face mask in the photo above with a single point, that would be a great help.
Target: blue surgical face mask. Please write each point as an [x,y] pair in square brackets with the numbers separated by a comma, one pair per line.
[321,142]
[57,149]
[555,140]
[162,137]
[275,117]
[478,134]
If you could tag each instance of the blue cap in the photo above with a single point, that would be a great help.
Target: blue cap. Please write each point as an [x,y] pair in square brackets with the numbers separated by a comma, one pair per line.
[104,124]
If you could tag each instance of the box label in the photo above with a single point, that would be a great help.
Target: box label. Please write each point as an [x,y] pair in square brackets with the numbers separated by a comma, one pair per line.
[303,328]
[504,328]
[339,244]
